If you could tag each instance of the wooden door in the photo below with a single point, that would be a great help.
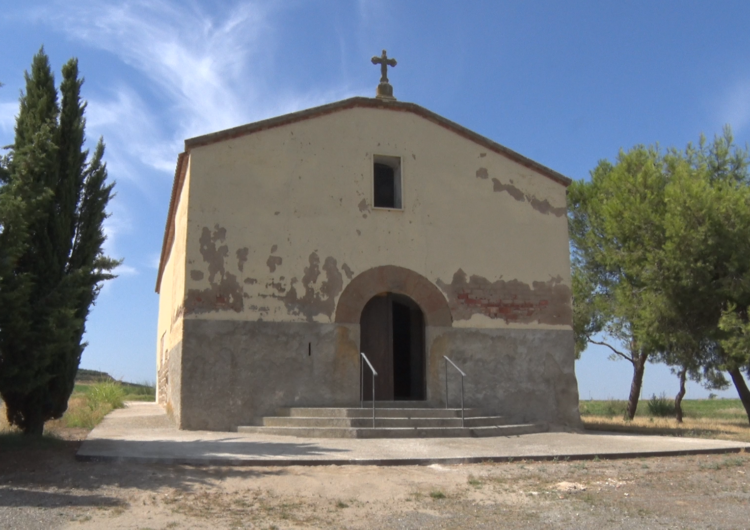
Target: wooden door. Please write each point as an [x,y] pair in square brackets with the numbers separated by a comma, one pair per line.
[376,341]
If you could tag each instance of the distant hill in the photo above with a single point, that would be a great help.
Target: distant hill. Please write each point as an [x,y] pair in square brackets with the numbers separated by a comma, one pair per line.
[92,376]
[85,377]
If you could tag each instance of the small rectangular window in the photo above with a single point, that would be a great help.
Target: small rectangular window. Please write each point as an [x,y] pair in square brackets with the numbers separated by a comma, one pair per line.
[387,181]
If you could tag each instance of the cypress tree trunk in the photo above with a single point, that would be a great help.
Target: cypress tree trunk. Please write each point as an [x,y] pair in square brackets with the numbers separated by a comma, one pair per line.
[742,390]
[639,367]
[679,396]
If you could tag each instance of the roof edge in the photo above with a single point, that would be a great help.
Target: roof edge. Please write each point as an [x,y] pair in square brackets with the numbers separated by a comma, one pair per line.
[166,246]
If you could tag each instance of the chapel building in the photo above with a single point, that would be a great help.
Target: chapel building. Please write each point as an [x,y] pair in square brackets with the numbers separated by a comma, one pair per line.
[366,225]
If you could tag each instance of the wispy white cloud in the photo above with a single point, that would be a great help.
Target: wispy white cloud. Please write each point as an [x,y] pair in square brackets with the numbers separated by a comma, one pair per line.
[204,72]
[134,138]
[734,106]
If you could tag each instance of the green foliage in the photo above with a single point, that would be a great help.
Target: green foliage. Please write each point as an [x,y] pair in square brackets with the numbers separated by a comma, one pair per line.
[110,393]
[661,260]
[53,200]
[661,406]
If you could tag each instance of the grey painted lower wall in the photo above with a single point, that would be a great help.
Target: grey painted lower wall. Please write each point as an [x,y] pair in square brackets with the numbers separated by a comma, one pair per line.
[525,375]
[234,373]
[174,388]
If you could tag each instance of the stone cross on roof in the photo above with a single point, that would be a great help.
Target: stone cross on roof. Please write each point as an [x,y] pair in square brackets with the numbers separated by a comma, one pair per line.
[385,90]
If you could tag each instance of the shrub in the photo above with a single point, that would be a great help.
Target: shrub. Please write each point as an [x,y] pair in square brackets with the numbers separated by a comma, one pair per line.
[661,406]
[614,407]
[109,393]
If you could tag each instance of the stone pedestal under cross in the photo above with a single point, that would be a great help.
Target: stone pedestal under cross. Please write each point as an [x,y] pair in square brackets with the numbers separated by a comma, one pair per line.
[385,90]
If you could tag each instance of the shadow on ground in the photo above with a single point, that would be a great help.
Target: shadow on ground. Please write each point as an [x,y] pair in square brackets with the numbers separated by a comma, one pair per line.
[51,476]
[218,450]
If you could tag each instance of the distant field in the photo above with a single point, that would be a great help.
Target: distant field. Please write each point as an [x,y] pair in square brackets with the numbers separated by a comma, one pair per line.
[85,379]
[724,409]
[133,391]
[703,418]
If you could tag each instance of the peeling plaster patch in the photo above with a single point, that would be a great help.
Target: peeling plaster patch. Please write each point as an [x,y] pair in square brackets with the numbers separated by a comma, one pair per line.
[224,294]
[227,294]
[212,255]
[513,301]
[545,207]
[359,233]
[276,213]
[414,156]
[196,275]
[510,189]
[250,281]
[241,257]
[313,271]
[541,206]
[273,262]
[274,248]
[349,273]
[363,207]
[482,155]
[482,173]
[312,302]
[277,285]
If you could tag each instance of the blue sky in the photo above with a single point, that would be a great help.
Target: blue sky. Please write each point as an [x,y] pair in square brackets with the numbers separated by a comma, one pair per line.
[564,83]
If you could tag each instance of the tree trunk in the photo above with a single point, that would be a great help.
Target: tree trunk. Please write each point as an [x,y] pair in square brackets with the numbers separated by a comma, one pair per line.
[679,396]
[33,424]
[639,366]
[742,390]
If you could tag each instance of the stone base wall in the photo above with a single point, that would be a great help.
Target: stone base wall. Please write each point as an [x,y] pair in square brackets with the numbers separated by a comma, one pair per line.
[525,375]
[234,373]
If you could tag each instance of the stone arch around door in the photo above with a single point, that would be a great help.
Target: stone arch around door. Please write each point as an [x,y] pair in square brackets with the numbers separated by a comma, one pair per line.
[393,279]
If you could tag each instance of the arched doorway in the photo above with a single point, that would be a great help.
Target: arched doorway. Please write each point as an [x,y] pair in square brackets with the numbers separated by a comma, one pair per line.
[392,337]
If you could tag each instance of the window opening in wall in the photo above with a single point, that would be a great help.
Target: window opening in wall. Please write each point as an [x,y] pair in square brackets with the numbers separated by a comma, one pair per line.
[387,181]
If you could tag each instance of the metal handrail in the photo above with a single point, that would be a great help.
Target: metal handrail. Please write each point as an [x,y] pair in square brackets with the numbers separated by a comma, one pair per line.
[462,386]
[362,386]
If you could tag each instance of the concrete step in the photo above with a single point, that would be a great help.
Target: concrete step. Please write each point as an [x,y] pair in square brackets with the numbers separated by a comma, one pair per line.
[380,412]
[380,421]
[395,432]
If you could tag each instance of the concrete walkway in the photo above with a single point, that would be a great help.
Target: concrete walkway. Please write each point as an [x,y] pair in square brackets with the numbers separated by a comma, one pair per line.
[143,433]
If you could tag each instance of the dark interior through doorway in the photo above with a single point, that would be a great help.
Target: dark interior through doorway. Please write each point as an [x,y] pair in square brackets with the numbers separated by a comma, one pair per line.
[392,337]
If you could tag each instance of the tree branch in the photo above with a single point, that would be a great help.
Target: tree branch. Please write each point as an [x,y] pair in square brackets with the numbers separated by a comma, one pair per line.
[623,355]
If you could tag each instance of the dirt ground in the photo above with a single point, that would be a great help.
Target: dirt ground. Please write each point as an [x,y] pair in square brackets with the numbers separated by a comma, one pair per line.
[45,488]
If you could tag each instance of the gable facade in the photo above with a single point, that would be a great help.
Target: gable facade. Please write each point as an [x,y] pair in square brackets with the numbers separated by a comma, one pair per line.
[274,248]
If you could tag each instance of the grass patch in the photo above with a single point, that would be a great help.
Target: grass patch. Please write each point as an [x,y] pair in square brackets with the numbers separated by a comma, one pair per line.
[723,419]
[437,494]
[131,391]
[719,409]
[734,430]
[87,406]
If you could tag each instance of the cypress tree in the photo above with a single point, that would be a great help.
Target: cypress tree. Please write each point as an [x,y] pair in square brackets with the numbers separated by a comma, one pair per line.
[53,203]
